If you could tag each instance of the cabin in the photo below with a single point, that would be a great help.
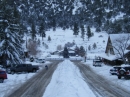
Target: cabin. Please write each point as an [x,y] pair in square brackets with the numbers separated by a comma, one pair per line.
[116,44]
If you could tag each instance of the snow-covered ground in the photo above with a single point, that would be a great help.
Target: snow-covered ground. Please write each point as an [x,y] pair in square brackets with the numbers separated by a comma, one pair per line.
[17,80]
[67,82]
[104,71]
[67,77]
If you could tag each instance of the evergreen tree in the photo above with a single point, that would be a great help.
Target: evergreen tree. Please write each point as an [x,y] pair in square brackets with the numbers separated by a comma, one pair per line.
[33,32]
[76,29]
[127,28]
[89,47]
[42,30]
[82,32]
[106,25]
[89,34]
[77,50]
[65,53]
[10,49]
[98,29]
[118,28]
[94,46]
[54,25]
[82,51]
[49,38]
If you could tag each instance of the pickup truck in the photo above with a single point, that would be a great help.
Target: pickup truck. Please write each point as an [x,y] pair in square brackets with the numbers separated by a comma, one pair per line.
[3,76]
[22,68]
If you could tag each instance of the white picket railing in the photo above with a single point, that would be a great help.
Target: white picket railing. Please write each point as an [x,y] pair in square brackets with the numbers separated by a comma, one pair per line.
[78,59]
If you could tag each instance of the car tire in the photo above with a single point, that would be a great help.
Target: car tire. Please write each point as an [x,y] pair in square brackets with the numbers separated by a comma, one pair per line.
[1,80]
[121,72]
[119,77]
[34,70]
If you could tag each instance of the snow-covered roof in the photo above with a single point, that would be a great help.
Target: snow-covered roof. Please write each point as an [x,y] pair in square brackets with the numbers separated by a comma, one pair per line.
[71,51]
[108,57]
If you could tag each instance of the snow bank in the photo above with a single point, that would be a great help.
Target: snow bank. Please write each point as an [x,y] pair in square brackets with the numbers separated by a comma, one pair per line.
[67,82]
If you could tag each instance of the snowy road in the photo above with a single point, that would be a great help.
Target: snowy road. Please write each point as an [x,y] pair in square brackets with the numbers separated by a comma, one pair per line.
[35,86]
[67,81]
[99,85]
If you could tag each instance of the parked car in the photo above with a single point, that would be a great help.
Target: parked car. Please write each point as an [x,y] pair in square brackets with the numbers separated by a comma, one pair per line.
[40,60]
[124,72]
[3,76]
[115,70]
[22,68]
[97,62]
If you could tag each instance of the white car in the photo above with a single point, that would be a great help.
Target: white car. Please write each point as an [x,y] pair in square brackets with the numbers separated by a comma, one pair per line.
[115,70]
[40,60]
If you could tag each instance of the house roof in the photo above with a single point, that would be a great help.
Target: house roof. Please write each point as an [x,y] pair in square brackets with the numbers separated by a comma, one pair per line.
[108,57]
[71,51]
[116,40]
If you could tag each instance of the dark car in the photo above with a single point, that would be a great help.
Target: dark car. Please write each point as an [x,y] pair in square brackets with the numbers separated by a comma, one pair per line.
[22,68]
[115,70]
[124,72]
[3,76]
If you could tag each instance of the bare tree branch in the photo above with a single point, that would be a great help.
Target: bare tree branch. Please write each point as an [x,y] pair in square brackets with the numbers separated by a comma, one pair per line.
[120,45]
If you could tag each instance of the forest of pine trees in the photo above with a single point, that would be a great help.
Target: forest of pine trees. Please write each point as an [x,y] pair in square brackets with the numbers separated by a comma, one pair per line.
[66,13]
[17,15]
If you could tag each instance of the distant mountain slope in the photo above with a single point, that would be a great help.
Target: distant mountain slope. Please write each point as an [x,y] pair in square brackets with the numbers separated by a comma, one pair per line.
[101,14]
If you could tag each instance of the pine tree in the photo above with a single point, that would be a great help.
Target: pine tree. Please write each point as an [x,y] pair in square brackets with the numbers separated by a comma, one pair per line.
[42,30]
[89,47]
[77,50]
[33,32]
[76,29]
[49,38]
[118,28]
[54,25]
[82,32]
[10,49]
[82,51]
[89,34]
[65,53]
[94,46]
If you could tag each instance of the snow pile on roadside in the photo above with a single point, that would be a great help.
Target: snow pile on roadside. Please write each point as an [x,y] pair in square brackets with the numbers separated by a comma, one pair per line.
[104,72]
[67,82]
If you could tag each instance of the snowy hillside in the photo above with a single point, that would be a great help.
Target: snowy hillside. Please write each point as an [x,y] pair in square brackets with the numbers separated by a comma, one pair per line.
[61,37]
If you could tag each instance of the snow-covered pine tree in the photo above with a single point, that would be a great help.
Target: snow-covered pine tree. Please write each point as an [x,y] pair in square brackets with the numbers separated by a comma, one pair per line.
[42,30]
[65,53]
[81,51]
[33,32]
[76,29]
[89,34]
[94,46]
[82,32]
[10,44]
[89,47]
[49,38]
[77,50]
